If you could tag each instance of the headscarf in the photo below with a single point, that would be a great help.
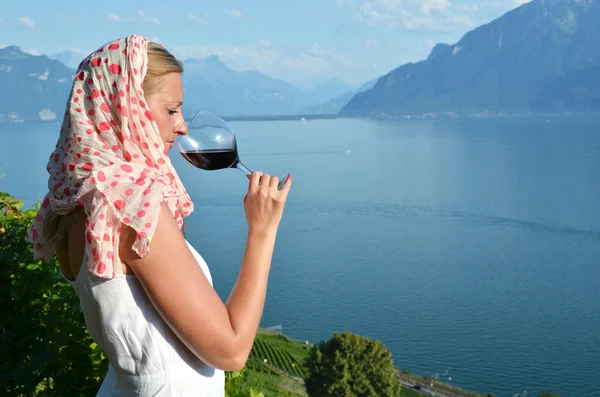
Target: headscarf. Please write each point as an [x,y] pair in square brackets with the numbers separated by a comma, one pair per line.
[110,160]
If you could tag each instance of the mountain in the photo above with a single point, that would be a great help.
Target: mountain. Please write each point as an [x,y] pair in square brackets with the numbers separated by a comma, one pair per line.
[213,86]
[309,82]
[39,88]
[575,91]
[334,105]
[330,89]
[35,87]
[514,63]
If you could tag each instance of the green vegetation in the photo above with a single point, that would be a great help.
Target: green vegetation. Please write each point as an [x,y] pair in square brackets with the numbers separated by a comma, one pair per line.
[282,372]
[410,393]
[44,345]
[46,350]
[351,365]
[281,352]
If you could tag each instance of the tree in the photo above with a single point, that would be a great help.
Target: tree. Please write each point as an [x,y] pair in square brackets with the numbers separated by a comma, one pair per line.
[44,345]
[351,366]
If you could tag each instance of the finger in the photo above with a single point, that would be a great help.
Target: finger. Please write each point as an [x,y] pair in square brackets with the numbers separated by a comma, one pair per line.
[273,182]
[286,188]
[264,181]
[255,180]
[283,181]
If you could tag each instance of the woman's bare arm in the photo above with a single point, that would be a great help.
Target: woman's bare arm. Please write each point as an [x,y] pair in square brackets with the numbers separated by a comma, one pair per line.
[219,334]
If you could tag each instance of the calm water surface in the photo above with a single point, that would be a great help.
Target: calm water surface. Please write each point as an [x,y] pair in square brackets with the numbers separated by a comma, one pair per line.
[469,245]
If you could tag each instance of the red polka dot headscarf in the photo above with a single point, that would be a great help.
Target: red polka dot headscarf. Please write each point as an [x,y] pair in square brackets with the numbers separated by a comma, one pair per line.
[110,160]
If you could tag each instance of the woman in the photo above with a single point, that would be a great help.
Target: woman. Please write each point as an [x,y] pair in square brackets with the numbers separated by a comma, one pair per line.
[113,217]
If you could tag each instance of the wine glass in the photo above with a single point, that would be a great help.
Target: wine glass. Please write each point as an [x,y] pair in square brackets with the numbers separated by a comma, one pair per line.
[210,145]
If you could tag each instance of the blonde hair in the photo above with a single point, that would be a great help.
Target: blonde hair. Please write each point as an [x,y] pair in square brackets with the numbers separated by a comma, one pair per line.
[160,63]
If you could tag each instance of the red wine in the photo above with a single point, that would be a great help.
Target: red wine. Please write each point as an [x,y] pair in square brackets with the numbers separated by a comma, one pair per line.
[214,159]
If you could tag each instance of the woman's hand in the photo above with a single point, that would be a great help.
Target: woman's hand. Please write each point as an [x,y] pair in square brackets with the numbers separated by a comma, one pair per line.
[264,203]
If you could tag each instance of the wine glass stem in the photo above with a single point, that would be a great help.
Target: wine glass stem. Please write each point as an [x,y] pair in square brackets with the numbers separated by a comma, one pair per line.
[240,166]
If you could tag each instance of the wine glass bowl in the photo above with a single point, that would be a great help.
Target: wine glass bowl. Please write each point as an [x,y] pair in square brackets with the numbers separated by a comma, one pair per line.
[210,144]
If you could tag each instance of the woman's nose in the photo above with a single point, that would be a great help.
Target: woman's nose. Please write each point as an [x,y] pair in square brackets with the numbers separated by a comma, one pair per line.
[182,129]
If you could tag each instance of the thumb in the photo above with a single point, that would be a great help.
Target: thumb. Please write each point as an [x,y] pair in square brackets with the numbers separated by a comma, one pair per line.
[286,188]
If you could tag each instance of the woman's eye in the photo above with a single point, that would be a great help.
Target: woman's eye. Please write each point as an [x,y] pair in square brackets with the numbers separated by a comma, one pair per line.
[172,112]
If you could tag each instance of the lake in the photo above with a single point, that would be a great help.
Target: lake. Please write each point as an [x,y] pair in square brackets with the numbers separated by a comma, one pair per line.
[464,245]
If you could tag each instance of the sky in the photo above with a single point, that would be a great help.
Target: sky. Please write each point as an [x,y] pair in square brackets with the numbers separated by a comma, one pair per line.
[305,42]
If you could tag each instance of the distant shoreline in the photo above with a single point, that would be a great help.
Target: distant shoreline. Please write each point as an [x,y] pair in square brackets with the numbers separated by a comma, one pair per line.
[276,117]
[432,116]
[283,117]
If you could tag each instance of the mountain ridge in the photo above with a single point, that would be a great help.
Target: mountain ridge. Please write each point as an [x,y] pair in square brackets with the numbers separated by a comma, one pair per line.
[38,86]
[208,84]
[499,66]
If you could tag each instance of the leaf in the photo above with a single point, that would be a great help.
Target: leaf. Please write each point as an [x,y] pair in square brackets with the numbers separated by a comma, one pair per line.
[235,374]
[254,393]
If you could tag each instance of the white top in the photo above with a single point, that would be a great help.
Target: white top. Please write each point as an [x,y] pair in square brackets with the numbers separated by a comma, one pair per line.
[146,357]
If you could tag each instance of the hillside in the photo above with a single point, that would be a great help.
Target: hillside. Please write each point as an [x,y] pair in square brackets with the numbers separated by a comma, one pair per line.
[276,368]
[540,56]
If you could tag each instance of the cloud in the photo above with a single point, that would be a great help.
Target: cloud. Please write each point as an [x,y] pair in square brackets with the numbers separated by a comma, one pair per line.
[333,55]
[28,23]
[47,115]
[147,18]
[65,17]
[196,19]
[142,17]
[425,15]
[234,13]
[265,43]
[263,59]
[490,6]
[32,51]
[314,60]
[372,44]
[239,58]
[343,3]
[470,8]
[305,63]
[290,65]
[483,11]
